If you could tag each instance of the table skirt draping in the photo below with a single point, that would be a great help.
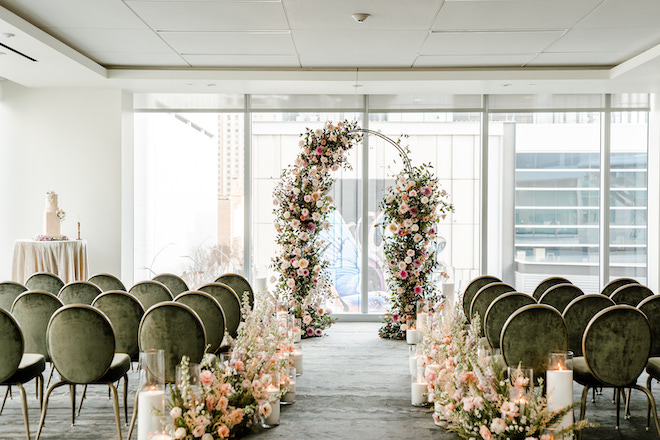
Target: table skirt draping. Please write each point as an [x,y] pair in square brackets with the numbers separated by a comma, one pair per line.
[65,258]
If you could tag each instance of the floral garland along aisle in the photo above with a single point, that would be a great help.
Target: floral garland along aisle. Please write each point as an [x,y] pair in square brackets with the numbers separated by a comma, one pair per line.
[302,205]
[412,208]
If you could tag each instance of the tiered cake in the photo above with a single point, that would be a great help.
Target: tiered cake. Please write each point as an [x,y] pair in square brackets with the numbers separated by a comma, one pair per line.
[52,218]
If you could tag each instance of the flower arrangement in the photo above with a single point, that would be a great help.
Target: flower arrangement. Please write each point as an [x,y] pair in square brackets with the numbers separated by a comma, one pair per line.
[412,207]
[42,237]
[234,395]
[302,205]
[471,395]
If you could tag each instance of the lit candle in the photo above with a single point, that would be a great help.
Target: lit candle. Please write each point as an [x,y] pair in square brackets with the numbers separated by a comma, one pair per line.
[559,380]
[412,336]
[298,362]
[161,437]
[274,418]
[290,396]
[148,422]
[412,364]
[422,321]
[418,391]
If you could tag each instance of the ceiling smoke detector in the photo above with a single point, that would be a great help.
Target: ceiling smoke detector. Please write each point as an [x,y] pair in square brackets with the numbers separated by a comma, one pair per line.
[360,17]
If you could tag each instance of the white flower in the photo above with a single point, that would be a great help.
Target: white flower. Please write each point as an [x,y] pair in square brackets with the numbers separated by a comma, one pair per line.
[425,199]
[291,283]
[414,228]
[408,260]
[180,433]
[286,214]
[296,191]
[417,238]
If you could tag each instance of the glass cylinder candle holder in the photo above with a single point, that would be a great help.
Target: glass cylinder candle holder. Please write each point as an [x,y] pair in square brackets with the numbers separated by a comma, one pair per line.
[521,381]
[188,380]
[272,419]
[559,385]
[412,335]
[297,357]
[418,389]
[297,335]
[422,316]
[151,394]
[288,381]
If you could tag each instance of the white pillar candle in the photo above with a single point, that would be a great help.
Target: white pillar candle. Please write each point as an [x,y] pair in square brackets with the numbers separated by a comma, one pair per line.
[148,422]
[422,322]
[417,391]
[412,364]
[559,385]
[161,437]
[274,418]
[296,335]
[298,362]
[290,396]
[412,336]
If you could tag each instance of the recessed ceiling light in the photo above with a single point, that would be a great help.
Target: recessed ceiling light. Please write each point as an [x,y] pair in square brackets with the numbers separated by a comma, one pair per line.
[210,85]
[507,85]
[360,17]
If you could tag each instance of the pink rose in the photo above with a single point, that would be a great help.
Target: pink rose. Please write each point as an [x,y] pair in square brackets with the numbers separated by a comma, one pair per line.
[498,426]
[318,332]
[485,432]
[206,376]
[239,365]
[310,331]
[223,431]
[418,289]
[403,274]
[198,431]
[175,412]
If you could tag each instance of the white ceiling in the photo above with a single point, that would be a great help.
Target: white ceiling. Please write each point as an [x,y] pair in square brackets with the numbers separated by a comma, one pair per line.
[315,46]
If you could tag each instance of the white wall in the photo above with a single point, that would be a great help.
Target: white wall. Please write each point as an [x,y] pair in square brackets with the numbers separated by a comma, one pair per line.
[68,141]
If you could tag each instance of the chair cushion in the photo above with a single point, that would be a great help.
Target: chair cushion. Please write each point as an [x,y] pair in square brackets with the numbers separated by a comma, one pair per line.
[32,364]
[653,367]
[121,363]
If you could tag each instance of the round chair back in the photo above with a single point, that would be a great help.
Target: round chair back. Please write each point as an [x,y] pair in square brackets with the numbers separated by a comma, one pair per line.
[631,294]
[529,336]
[577,315]
[546,284]
[238,284]
[79,292]
[211,314]
[173,282]
[124,312]
[610,287]
[229,302]
[11,349]
[9,290]
[472,289]
[106,281]
[175,328]
[559,295]
[616,345]
[499,311]
[651,308]
[484,297]
[81,342]
[150,292]
[44,281]
[32,310]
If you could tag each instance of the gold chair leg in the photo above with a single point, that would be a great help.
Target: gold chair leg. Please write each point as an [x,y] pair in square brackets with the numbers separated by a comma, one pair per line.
[25,409]
[5,399]
[126,398]
[649,380]
[651,401]
[82,399]
[72,393]
[583,408]
[618,401]
[135,407]
[45,407]
[115,401]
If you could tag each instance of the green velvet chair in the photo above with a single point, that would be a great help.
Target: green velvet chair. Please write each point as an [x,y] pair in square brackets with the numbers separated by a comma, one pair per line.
[484,297]
[610,287]
[79,292]
[125,313]
[106,281]
[546,284]
[44,281]
[16,366]
[175,283]
[631,294]
[499,311]
[211,314]
[230,304]
[81,342]
[9,290]
[239,284]
[577,315]
[529,336]
[32,310]
[150,292]
[651,308]
[472,288]
[560,295]
[616,346]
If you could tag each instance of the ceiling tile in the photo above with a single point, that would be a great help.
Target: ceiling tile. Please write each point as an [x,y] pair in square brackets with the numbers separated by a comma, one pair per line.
[242,61]
[579,59]
[630,40]
[111,40]
[383,43]
[211,16]
[384,14]
[512,14]
[230,43]
[623,13]
[96,14]
[472,61]
[358,60]
[488,43]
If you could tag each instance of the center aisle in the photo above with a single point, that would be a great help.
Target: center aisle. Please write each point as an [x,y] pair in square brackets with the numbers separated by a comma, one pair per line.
[355,385]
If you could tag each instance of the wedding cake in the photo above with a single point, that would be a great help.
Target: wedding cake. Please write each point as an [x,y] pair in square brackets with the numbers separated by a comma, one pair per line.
[52,218]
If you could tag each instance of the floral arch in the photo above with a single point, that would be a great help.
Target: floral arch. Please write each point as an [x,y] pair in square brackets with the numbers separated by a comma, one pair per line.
[302,206]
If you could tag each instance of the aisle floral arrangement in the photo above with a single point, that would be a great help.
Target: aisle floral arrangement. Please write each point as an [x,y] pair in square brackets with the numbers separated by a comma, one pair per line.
[234,395]
[412,208]
[471,394]
[302,205]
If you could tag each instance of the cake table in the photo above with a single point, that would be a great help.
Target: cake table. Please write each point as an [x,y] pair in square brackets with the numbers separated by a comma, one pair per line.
[65,258]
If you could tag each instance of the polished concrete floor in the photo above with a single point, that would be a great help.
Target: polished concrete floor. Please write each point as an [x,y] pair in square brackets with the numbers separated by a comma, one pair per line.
[354,386]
